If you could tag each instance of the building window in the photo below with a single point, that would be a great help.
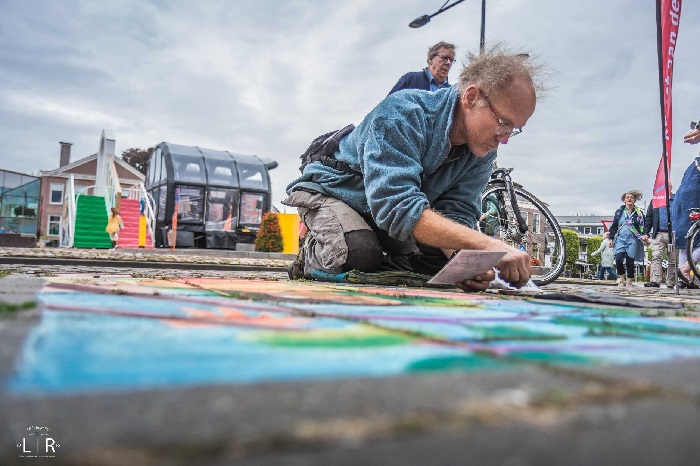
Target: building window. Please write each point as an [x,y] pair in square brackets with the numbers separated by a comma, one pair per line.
[54,225]
[535,222]
[600,231]
[586,230]
[56,196]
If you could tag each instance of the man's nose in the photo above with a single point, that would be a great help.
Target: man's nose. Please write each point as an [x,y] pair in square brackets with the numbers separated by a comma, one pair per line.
[503,138]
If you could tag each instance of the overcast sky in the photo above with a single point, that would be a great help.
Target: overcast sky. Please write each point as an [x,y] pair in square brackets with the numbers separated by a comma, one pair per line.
[265,77]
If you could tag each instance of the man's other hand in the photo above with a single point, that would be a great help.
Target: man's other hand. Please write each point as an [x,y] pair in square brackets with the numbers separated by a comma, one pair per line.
[479,283]
[514,267]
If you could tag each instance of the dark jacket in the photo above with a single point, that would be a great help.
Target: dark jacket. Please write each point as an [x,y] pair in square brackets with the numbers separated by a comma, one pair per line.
[637,221]
[651,219]
[412,80]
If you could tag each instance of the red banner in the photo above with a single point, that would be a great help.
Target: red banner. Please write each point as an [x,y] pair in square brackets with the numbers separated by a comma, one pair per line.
[668,17]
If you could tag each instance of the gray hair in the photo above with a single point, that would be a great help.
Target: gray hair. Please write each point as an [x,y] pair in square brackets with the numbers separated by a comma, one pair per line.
[496,68]
[435,49]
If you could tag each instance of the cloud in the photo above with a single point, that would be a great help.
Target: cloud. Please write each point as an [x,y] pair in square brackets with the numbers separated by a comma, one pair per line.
[266,77]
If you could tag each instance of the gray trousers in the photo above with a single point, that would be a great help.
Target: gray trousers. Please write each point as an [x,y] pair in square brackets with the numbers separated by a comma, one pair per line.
[340,239]
[658,246]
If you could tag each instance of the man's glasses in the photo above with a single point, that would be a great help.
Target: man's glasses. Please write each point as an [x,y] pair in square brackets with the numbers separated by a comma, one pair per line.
[452,60]
[504,128]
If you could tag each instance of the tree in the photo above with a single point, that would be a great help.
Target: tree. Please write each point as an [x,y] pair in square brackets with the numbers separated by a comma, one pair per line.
[137,158]
[571,244]
[592,245]
[269,237]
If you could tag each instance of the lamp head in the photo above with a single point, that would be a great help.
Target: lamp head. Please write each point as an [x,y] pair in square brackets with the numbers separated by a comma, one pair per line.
[420,21]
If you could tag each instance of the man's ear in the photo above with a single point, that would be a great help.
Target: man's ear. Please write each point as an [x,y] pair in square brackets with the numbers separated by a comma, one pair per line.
[470,96]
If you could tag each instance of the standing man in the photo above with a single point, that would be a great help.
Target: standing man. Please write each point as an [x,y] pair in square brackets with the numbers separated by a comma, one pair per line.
[441,57]
[656,223]
[402,191]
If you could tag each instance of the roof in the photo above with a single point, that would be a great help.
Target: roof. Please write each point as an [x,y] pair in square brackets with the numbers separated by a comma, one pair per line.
[67,168]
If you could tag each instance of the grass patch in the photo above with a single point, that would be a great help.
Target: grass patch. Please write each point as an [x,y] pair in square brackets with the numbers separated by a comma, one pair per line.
[11,309]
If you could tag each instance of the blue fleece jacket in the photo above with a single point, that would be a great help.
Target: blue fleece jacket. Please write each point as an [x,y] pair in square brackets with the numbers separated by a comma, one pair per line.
[402,148]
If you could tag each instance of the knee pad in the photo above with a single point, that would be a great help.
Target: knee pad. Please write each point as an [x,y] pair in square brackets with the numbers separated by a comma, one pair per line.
[364,252]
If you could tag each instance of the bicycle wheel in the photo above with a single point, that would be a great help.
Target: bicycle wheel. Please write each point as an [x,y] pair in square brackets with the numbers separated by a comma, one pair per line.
[543,240]
[692,245]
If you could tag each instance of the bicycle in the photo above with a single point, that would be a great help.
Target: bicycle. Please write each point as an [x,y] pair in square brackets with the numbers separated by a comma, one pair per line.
[525,223]
[693,243]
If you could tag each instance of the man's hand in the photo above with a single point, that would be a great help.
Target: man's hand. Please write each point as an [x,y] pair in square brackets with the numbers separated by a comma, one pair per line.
[693,137]
[514,267]
[478,283]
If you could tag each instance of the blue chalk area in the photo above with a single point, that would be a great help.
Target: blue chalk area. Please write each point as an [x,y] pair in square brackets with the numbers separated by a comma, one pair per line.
[70,352]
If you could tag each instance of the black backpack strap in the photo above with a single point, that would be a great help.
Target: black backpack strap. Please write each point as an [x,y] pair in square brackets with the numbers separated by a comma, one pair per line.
[323,148]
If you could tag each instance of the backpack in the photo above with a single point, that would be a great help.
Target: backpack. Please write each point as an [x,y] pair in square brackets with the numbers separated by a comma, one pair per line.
[323,148]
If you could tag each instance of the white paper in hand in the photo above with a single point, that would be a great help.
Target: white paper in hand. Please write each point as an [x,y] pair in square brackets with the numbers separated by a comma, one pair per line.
[465,266]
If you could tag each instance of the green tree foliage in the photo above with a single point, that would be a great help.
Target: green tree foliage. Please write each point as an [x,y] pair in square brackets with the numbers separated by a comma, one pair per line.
[571,243]
[137,158]
[269,238]
[592,245]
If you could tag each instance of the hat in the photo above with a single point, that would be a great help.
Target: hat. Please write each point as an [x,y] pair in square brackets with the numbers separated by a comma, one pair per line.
[635,192]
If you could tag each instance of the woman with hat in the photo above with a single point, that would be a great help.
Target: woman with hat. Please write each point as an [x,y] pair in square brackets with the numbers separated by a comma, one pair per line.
[627,235]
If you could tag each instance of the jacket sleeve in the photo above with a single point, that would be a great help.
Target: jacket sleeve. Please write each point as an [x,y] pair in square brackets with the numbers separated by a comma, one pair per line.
[600,249]
[390,158]
[613,228]
[649,219]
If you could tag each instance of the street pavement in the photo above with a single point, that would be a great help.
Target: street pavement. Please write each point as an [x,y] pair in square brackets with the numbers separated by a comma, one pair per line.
[540,414]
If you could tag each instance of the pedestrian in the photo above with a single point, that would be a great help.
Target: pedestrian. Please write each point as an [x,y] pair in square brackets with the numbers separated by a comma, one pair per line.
[607,256]
[488,222]
[687,196]
[402,191]
[441,57]
[114,224]
[627,236]
[656,226]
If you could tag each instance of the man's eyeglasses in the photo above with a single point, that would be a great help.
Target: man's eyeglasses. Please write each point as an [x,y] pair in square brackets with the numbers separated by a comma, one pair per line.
[504,128]
[452,60]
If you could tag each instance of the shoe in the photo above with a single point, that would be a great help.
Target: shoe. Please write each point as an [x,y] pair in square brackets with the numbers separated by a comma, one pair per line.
[651,285]
[683,282]
[296,270]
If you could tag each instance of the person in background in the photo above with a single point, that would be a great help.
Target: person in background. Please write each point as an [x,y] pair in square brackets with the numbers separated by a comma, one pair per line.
[441,57]
[607,256]
[627,236]
[656,226]
[488,222]
[114,224]
[687,196]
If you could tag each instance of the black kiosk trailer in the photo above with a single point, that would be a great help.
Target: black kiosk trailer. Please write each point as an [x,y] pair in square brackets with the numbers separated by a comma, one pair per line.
[220,197]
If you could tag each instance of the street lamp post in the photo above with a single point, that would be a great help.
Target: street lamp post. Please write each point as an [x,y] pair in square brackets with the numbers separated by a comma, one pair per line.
[425,19]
